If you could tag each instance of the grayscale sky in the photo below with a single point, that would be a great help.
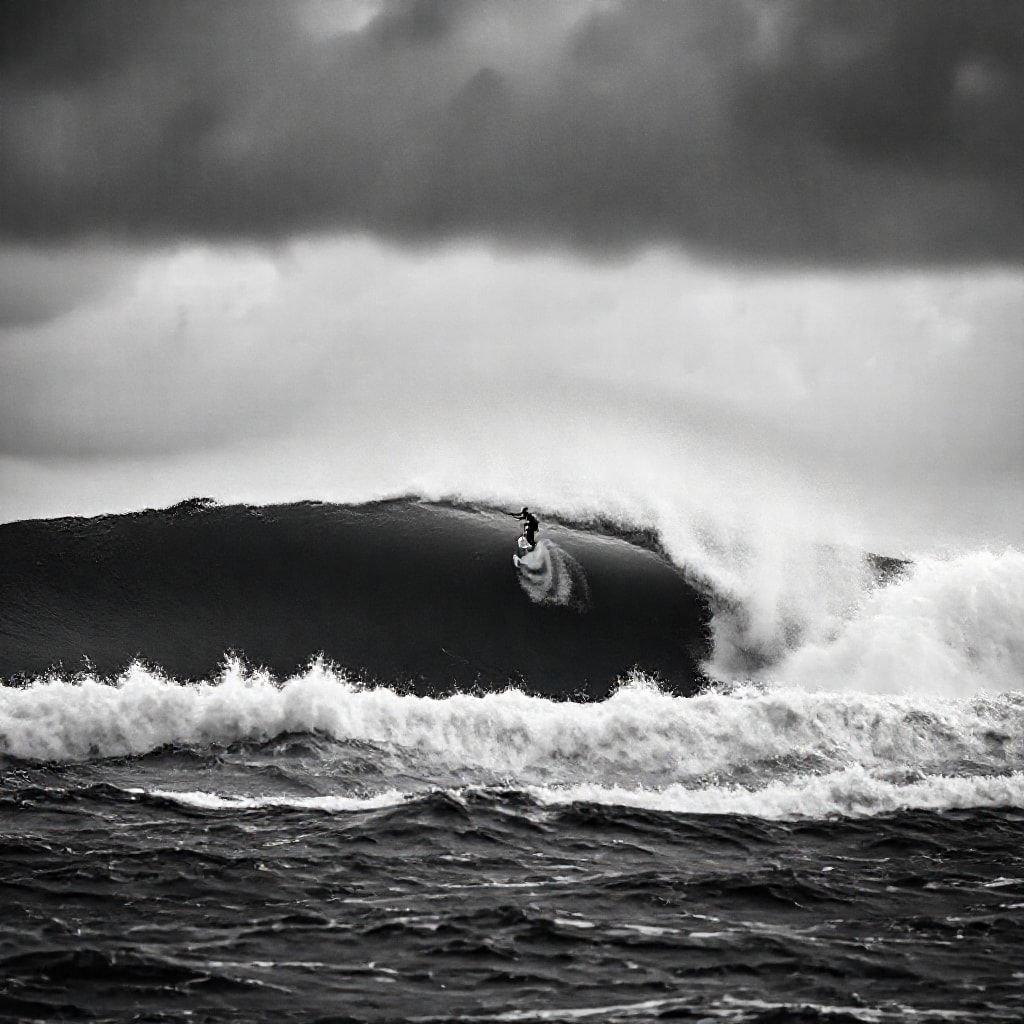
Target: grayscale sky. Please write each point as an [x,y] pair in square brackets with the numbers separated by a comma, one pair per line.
[757,259]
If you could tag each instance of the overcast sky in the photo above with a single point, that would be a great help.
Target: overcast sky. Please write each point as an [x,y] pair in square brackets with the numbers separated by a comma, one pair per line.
[744,254]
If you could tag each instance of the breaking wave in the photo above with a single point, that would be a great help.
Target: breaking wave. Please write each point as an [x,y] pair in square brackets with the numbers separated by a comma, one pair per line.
[638,733]
[853,792]
[791,605]
[404,591]
[951,626]
[823,616]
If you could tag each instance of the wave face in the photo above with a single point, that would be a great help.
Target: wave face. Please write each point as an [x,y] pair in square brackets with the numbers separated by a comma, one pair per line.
[401,592]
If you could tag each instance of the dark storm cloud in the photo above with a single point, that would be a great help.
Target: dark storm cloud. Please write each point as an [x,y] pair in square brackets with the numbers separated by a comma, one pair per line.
[874,130]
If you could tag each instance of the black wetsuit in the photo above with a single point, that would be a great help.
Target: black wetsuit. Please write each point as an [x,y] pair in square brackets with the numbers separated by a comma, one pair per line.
[532,526]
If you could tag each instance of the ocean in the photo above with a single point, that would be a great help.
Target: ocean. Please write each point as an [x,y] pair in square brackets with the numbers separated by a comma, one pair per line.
[317,762]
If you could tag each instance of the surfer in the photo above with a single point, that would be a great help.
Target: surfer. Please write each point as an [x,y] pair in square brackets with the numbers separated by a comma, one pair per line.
[530,525]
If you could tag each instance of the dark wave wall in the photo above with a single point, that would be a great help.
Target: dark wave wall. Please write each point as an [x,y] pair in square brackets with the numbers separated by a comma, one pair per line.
[398,591]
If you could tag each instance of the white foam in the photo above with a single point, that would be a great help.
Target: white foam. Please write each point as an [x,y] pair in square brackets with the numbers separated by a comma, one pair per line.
[637,730]
[853,792]
[814,615]
[235,802]
[948,626]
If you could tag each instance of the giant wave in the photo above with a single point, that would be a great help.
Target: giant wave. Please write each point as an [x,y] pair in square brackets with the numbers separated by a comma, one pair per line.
[422,594]
[400,592]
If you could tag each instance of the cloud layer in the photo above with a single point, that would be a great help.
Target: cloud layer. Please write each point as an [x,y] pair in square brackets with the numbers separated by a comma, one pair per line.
[877,131]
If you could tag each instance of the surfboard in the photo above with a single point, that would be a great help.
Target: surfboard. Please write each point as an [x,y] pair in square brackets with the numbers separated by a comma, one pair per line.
[522,548]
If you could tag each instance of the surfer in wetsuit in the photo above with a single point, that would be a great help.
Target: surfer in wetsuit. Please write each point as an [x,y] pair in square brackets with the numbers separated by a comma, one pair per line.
[530,526]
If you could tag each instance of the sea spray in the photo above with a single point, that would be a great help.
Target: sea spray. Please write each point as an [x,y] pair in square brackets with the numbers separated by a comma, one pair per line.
[945,626]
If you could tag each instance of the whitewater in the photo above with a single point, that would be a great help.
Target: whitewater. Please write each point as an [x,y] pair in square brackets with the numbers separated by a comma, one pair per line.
[827,749]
